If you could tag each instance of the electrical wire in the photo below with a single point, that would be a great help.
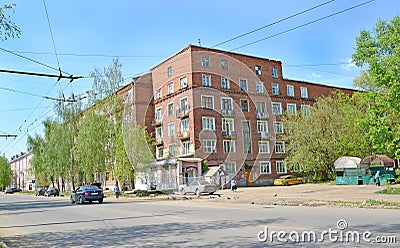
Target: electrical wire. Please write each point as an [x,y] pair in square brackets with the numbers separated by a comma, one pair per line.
[36,95]
[271,24]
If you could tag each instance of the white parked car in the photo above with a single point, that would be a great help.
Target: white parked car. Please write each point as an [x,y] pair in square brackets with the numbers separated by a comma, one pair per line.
[197,188]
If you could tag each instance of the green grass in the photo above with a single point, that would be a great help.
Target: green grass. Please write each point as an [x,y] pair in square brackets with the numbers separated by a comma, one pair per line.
[390,191]
[370,203]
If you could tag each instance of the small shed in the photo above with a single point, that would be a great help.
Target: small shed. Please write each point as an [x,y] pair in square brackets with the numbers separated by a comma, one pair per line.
[216,175]
[349,171]
[381,163]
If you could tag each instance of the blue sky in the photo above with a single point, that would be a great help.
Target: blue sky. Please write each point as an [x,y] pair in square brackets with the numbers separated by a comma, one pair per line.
[88,34]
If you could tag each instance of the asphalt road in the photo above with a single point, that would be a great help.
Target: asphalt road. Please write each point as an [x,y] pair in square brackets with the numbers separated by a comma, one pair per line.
[29,221]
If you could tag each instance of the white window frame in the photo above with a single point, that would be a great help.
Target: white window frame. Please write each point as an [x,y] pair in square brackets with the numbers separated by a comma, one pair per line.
[172,152]
[159,133]
[158,113]
[263,147]
[209,146]
[230,167]
[262,126]
[305,109]
[290,90]
[224,64]
[277,108]
[228,125]
[244,87]
[205,61]
[274,72]
[247,105]
[265,167]
[185,147]
[203,103]
[170,108]
[208,123]
[225,83]
[169,71]
[158,93]
[160,152]
[258,70]
[186,106]
[278,127]
[183,82]
[281,167]
[185,125]
[275,88]
[229,146]
[171,129]
[280,147]
[206,80]
[230,105]
[304,92]
[259,87]
[170,88]
[291,108]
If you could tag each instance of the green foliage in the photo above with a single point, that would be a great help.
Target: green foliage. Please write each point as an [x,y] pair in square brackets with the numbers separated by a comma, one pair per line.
[316,140]
[379,51]
[8,29]
[5,173]
[390,191]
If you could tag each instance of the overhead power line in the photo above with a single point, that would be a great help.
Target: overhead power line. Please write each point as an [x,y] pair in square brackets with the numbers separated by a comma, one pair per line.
[303,25]
[59,77]
[271,24]
[36,95]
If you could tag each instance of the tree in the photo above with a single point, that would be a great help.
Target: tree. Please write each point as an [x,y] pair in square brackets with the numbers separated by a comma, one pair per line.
[7,27]
[315,140]
[379,52]
[5,172]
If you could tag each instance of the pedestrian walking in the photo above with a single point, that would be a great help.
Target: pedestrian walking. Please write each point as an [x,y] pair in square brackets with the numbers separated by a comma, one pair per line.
[116,190]
[377,179]
[233,185]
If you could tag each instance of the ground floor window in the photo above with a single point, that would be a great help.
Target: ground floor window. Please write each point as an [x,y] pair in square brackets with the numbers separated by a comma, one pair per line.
[281,167]
[265,167]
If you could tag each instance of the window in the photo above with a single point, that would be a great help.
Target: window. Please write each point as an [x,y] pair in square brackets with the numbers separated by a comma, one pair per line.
[279,147]
[304,92]
[229,146]
[262,127]
[159,133]
[290,90]
[259,87]
[225,84]
[228,126]
[278,127]
[158,93]
[205,61]
[206,80]
[209,146]
[274,72]
[265,167]
[170,108]
[275,89]
[185,125]
[246,137]
[281,167]
[244,104]
[226,104]
[170,88]
[224,64]
[230,167]
[207,102]
[208,123]
[160,152]
[243,84]
[159,114]
[183,82]
[185,147]
[305,109]
[263,147]
[170,71]
[184,104]
[172,150]
[277,108]
[171,129]
[291,108]
[261,108]
[258,70]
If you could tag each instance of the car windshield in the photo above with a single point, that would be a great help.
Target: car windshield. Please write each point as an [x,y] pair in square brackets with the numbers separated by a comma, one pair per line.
[90,187]
[204,183]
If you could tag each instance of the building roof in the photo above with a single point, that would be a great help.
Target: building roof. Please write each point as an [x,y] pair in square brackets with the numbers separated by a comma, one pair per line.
[377,160]
[347,162]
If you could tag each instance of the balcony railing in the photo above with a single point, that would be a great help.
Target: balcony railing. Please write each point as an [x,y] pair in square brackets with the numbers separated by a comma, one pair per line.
[158,141]
[182,112]
[264,135]
[229,135]
[184,135]
[262,115]
[228,112]
[156,122]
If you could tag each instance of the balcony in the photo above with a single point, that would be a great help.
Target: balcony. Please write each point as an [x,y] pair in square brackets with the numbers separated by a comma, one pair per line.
[229,135]
[184,135]
[264,135]
[262,115]
[156,122]
[228,112]
[182,112]
[158,141]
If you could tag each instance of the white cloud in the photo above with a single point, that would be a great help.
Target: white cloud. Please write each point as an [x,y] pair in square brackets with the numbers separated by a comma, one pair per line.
[349,65]
[315,75]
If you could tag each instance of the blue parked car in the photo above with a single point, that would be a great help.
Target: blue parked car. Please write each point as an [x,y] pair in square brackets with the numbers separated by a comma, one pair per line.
[87,194]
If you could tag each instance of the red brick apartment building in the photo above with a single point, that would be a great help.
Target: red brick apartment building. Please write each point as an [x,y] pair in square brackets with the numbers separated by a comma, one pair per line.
[219,108]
